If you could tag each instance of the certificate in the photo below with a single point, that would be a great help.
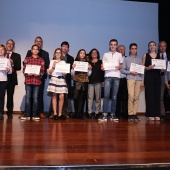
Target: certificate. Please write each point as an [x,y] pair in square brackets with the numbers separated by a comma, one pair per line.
[34,69]
[168,66]
[3,63]
[81,66]
[137,68]
[159,63]
[62,68]
[110,65]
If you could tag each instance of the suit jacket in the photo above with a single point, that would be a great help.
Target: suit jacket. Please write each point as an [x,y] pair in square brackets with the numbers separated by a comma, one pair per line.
[12,78]
[45,56]
[70,60]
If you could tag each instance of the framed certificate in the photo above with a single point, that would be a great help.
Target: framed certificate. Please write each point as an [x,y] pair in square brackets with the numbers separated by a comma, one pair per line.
[81,66]
[159,63]
[34,69]
[110,65]
[62,68]
[137,68]
[3,63]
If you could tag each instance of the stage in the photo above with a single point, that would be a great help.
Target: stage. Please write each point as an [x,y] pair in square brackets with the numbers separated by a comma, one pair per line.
[84,144]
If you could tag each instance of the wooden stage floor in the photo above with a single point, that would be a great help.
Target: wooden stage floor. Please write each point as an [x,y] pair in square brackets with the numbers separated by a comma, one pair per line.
[74,143]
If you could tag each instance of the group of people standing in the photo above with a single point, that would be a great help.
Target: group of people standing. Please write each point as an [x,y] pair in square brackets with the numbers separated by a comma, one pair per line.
[121,85]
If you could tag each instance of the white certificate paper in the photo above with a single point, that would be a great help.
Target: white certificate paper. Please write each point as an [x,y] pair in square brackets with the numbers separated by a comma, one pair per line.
[110,65]
[62,68]
[81,66]
[137,68]
[159,63]
[34,69]
[3,63]
[168,66]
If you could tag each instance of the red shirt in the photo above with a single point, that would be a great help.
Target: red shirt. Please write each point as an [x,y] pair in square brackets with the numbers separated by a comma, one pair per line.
[34,80]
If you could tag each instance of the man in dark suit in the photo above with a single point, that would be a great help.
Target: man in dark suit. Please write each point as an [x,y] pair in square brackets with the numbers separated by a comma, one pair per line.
[68,59]
[45,56]
[15,60]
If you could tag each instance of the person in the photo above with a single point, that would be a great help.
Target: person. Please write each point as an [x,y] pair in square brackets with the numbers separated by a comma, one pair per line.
[67,111]
[95,83]
[80,84]
[65,46]
[134,82]
[45,56]
[3,78]
[152,82]
[32,84]
[111,80]
[167,83]
[122,95]
[162,46]
[57,85]
[15,60]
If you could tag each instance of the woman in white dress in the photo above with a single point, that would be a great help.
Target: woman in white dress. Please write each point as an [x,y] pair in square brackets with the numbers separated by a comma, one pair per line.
[57,85]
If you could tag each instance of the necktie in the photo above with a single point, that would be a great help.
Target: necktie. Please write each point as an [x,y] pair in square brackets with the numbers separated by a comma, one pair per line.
[7,55]
[162,56]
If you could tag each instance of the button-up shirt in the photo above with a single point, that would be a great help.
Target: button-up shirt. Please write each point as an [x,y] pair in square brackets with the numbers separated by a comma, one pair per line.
[3,73]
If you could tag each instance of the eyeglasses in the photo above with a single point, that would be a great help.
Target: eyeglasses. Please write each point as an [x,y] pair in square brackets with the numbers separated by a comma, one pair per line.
[58,52]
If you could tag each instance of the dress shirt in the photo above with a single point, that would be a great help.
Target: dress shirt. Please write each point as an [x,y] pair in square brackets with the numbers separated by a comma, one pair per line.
[3,73]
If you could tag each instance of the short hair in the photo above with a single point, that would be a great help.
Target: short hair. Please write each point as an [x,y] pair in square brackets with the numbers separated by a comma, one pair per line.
[35,46]
[132,44]
[3,46]
[65,43]
[39,38]
[113,40]
[12,41]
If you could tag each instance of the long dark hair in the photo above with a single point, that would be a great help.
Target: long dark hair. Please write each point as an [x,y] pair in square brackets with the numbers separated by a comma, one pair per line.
[78,56]
[90,54]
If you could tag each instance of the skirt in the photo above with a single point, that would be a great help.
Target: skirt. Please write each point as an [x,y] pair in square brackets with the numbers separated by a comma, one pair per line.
[57,85]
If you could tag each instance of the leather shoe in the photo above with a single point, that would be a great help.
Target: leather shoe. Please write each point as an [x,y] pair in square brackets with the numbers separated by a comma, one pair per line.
[42,116]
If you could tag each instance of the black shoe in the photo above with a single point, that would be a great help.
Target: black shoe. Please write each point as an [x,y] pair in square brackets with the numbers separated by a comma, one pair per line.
[162,117]
[10,116]
[136,119]
[1,117]
[89,116]
[96,116]
[62,117]
[55,117]
[130,118]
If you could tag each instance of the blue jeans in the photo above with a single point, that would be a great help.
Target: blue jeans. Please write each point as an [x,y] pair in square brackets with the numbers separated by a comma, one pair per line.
[110,83]
[31,101]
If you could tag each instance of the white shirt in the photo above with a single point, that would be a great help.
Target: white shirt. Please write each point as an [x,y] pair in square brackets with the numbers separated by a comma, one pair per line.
[3,73]
[110,56]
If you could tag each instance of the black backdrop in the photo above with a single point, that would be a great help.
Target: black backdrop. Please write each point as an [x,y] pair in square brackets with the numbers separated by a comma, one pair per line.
[164,20]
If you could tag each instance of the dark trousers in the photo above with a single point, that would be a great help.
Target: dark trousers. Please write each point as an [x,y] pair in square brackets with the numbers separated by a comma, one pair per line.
[10,94]
[122,100]
[152,94]
[79,99]
[3,85]
[41,97]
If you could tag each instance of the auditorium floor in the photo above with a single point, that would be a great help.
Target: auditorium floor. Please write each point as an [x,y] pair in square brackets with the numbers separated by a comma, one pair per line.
[74,143]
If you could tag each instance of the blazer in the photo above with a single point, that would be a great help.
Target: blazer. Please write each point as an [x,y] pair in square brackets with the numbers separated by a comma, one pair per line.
[12,78]
[70,60]
[45,56]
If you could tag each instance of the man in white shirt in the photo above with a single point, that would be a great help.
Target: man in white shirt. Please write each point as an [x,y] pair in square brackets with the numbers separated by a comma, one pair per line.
[111,81]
